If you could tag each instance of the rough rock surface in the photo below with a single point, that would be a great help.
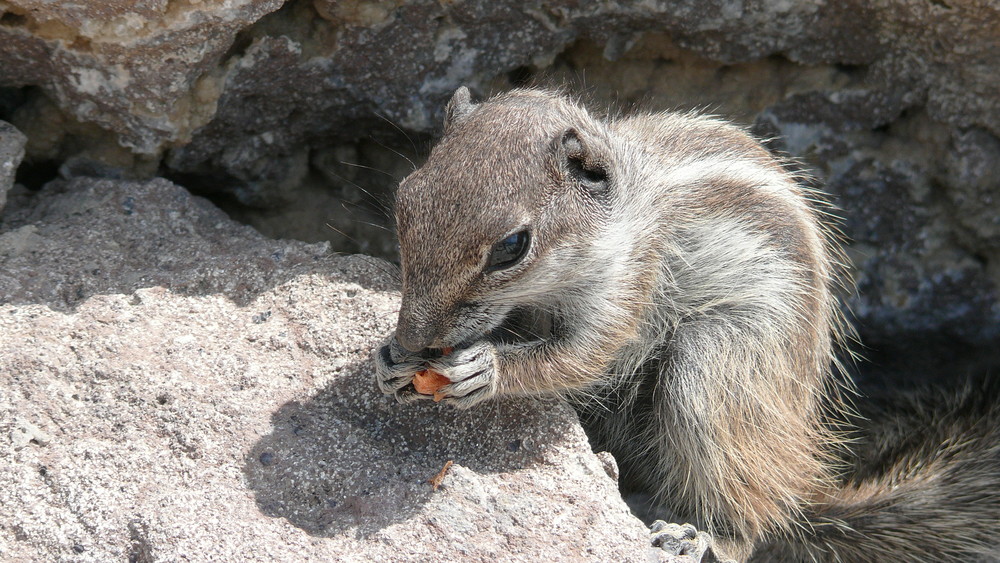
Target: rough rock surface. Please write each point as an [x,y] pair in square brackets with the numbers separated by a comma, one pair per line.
[173,386]
[11,153]
[300,116]
[403,58]
[145,70]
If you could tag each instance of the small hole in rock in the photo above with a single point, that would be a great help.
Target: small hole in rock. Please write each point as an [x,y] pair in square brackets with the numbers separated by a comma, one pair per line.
[10,19]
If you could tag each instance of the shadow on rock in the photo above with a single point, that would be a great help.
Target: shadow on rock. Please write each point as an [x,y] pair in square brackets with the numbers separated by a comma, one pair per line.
[351,458]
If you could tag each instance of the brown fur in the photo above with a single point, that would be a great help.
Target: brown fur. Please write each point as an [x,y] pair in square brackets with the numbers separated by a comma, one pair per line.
[679,288]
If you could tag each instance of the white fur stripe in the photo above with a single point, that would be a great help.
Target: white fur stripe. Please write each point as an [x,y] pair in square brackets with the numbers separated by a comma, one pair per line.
[719,168]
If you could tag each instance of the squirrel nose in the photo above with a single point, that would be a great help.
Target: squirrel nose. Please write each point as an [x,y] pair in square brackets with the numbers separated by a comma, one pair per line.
[411,342]
[414,336]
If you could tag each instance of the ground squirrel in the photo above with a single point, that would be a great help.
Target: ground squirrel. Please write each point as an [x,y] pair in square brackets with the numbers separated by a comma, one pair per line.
[675,281]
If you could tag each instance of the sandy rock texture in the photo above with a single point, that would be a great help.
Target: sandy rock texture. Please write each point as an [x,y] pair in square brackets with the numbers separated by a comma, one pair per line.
[174,386]
[11,152]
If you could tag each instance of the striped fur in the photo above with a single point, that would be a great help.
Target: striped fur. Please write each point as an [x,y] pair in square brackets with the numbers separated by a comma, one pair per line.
[685,304]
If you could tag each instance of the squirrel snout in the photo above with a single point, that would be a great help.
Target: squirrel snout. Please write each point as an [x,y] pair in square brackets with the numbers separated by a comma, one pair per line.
[407,340]
[420,326]
[415,337]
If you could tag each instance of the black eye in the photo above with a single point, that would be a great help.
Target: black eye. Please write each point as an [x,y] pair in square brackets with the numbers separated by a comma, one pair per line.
[508,251]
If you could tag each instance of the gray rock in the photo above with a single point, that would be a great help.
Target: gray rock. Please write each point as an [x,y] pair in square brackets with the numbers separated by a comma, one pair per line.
[921,217]
[23,433]
[196,391]
[146,71]
[11,153]
[316,71]
[265,105]
[973,183]
[403,58]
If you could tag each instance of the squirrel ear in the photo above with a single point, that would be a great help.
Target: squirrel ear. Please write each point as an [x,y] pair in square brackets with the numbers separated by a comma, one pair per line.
[458,108]
[571,145]
[583,165]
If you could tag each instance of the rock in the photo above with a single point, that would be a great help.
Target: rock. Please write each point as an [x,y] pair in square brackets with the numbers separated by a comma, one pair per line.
[11,153]
[147,71]
[973,184]
[921,221]
[193,390]
[23,433]
[401,59]
[300,117]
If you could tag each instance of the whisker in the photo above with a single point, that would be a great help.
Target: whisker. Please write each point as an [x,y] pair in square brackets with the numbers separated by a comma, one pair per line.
[400,129]
[343,234]
[413,166]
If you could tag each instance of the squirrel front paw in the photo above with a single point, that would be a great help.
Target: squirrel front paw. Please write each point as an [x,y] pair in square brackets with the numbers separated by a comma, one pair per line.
[395,367]
[472,372]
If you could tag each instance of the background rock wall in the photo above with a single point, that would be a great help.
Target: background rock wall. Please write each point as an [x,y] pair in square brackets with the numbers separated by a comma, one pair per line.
[300,117]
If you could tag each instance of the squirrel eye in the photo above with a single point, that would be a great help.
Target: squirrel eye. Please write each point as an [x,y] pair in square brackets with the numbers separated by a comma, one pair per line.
[508,251]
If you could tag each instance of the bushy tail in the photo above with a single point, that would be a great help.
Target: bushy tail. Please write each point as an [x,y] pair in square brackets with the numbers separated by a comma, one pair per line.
[923,484]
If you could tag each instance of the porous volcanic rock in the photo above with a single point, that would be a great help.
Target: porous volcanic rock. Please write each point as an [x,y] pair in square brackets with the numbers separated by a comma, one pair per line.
[153,71]
[11,152]
[146,71]
[299,117]
[174,386]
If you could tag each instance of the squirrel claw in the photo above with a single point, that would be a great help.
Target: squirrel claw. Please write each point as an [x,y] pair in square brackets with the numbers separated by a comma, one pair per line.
[394,372]
[472,372]
[683,541]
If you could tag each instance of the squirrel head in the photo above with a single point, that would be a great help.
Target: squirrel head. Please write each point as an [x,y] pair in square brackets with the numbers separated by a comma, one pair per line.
[506,206]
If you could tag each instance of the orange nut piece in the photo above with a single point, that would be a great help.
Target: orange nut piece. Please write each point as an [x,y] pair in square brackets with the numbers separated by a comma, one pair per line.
[428,381]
